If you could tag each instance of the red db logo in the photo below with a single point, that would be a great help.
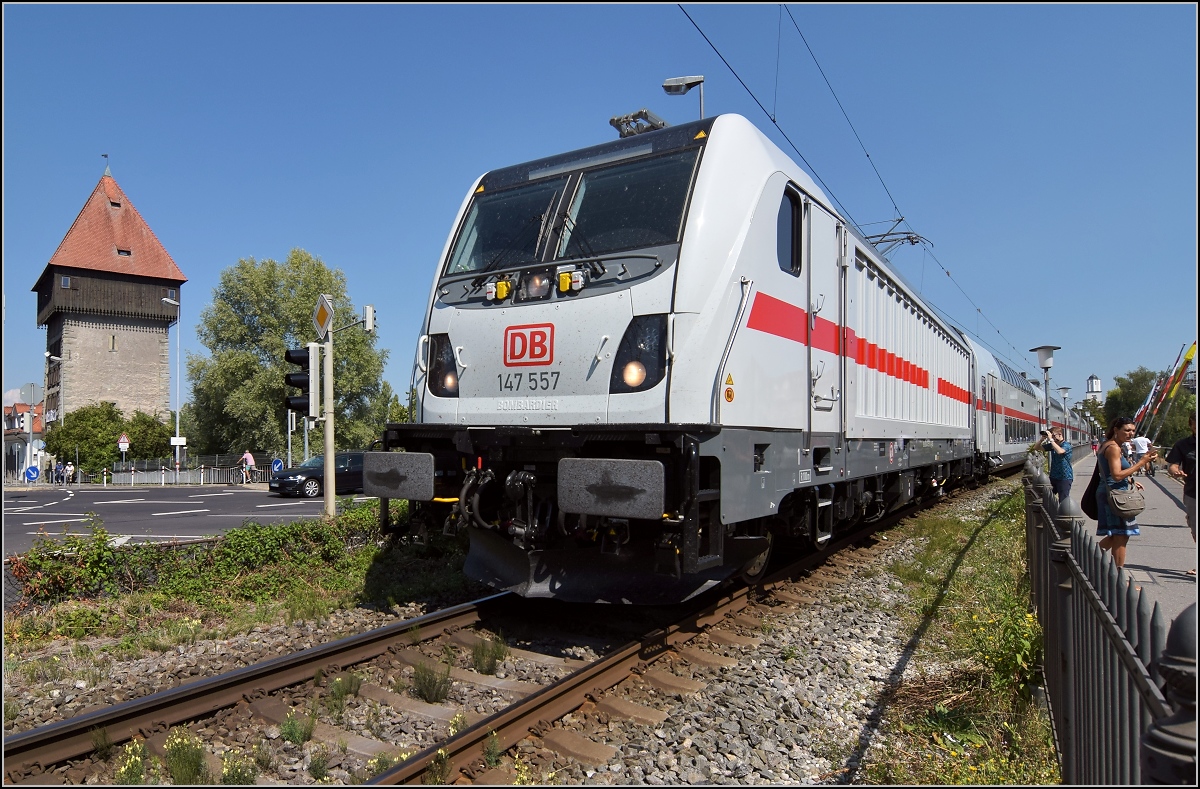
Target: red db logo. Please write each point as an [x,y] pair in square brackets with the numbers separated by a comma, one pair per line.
[528,346]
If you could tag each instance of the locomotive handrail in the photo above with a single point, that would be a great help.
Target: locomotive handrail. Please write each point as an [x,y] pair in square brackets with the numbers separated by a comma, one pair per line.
[715,407]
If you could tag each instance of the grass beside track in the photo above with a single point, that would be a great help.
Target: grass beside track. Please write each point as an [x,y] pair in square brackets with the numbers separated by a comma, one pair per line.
[143,598]
[965,711]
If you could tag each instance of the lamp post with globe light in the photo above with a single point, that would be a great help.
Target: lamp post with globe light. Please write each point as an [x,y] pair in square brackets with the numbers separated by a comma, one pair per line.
[1046,361]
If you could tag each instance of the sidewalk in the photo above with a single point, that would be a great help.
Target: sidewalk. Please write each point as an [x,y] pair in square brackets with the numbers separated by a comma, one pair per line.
[1158,559]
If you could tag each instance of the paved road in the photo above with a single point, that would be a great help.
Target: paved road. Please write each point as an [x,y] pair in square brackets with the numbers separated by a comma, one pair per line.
[143,513]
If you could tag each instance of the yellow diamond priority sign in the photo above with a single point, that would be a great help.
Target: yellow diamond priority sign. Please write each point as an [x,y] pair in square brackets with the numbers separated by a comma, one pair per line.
[323,316]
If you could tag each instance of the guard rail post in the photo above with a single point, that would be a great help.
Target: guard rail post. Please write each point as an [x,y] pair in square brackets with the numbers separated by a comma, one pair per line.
[1168,753]
[1039,507]
[1059,656]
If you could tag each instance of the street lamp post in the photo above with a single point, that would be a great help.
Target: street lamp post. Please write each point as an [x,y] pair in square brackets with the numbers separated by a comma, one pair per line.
[1062,392]
[677,86]
[178,395]
[1046,361]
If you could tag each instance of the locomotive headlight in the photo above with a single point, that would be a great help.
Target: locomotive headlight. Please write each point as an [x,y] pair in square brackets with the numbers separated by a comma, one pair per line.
[641,358]
[634,374]
[535,286]
[443,370]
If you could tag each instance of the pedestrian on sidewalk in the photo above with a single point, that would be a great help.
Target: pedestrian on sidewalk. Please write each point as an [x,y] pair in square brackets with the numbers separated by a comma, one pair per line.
[1182,465]
[1116,473]
[1141,445]
[1060,451]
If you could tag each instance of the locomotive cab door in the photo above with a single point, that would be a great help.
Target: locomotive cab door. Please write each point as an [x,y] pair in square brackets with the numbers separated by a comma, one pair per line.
[825,322]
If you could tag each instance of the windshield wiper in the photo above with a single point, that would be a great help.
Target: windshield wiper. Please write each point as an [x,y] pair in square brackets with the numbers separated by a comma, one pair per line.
[577,237]
[517,240]
[546,216]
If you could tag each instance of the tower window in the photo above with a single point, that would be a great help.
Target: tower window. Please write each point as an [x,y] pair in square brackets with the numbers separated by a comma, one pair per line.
[112,342]
[124,253]
[66,282]
[114,203]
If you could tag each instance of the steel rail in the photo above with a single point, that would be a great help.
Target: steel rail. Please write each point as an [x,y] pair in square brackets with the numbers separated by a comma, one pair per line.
[535,712]
[54,743]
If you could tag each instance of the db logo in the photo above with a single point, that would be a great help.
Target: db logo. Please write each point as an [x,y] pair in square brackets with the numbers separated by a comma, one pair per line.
[527,346]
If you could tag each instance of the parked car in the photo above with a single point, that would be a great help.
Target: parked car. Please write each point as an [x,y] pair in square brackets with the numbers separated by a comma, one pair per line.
[308,479]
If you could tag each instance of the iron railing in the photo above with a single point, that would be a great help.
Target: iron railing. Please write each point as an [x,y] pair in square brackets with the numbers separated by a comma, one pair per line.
[1107,655]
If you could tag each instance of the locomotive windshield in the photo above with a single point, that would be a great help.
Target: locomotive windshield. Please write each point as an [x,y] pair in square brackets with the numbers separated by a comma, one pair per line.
[630,205]
[505,228]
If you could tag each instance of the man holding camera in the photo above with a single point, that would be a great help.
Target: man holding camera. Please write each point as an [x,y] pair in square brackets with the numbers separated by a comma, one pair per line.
[1061,473]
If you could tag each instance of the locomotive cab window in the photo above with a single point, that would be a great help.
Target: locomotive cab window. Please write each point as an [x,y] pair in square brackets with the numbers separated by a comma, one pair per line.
[505,228]
[628,206]
[789,226]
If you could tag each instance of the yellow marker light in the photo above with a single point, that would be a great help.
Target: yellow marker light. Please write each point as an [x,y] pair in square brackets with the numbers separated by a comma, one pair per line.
[564,281]
[634,373]
[503,287]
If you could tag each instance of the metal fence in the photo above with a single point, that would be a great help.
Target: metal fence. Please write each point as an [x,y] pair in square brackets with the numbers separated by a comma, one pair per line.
[224,469]
[1108,657]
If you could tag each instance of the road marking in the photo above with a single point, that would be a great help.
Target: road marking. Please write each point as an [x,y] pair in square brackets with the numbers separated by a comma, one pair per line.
[47,523]
[118,501]
[286,504]
[203,495]
[178,512]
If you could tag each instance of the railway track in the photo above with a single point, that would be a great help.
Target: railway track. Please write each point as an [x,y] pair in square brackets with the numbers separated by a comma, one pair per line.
[579,691]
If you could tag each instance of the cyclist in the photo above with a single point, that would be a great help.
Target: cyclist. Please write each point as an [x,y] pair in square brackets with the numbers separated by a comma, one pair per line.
[247,466]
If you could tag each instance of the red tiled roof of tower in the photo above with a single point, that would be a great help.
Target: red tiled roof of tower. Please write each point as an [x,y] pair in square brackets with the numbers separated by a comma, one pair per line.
[108,225]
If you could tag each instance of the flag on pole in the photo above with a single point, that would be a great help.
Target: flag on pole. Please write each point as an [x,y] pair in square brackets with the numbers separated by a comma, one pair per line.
[1162,394]
[1141,412]
[1187,360]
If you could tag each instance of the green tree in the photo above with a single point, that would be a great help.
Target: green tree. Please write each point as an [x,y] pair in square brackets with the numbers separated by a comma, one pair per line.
[92,431]
[149,438]
[1128,395]
[259,310]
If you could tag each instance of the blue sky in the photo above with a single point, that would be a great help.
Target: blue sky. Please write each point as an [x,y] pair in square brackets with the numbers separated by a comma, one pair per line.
[1048,152]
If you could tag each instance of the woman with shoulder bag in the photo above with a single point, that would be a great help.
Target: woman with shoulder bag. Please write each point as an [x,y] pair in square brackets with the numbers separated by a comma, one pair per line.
[1116,474]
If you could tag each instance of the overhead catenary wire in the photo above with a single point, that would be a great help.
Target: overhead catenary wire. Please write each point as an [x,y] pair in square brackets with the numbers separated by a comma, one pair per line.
[1024,363]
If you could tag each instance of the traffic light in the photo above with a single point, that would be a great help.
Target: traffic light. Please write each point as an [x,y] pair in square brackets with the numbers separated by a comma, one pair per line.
[307,379]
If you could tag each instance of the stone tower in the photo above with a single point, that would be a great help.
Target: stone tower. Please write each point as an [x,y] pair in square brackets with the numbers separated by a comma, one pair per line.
[101,300]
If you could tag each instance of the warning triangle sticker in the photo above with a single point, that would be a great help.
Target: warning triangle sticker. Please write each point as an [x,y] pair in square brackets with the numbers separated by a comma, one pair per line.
[729,380]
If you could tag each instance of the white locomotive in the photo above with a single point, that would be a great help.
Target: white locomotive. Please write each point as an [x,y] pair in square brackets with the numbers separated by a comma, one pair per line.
[645,362]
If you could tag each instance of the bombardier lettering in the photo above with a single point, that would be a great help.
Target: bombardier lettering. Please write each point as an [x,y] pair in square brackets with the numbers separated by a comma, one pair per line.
[536,404]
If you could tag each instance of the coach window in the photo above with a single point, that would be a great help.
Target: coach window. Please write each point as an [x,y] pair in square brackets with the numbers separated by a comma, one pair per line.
[788,233]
